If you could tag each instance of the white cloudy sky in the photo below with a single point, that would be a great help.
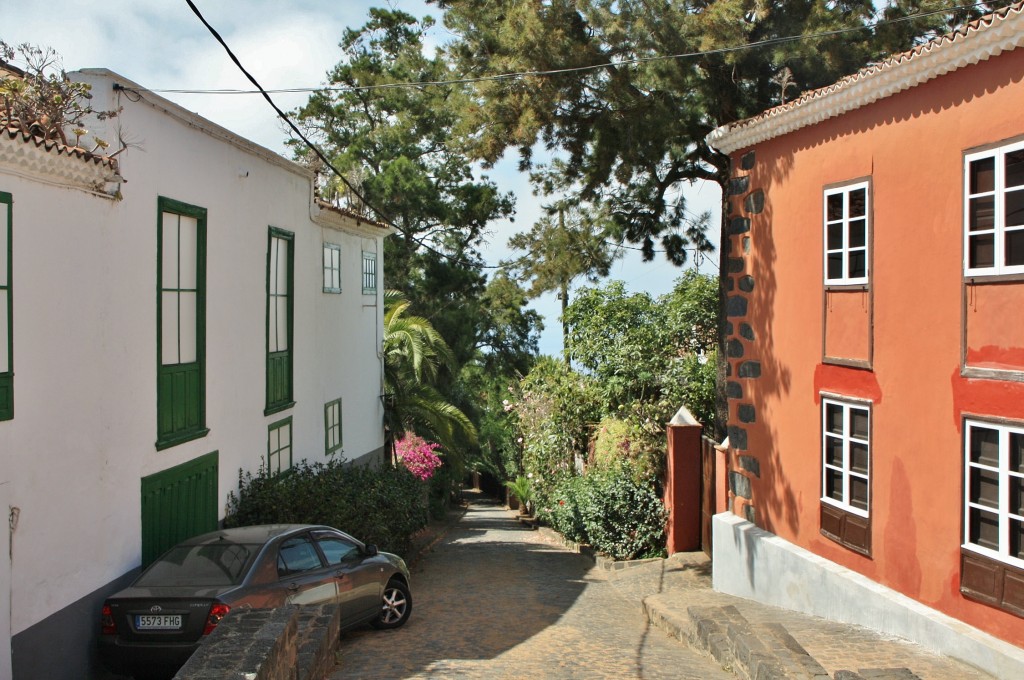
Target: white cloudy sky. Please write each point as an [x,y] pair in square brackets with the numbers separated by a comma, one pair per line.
[162,45]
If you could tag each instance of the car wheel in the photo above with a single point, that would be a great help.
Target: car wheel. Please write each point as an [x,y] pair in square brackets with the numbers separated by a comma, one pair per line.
[396,605]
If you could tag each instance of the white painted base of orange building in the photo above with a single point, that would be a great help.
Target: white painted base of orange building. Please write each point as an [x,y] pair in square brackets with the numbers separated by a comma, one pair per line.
[752,563]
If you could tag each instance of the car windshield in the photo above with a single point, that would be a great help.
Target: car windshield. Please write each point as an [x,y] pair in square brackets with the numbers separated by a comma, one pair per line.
[220,564]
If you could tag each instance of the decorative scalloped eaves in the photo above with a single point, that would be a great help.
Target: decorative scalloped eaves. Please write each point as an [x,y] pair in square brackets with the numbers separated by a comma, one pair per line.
[988,37]
[56,163]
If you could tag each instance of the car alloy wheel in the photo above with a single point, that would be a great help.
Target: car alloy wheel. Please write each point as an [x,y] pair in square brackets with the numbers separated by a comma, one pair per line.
[396,605]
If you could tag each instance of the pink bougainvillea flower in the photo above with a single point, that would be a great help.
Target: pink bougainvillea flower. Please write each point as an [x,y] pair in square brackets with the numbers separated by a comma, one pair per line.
[417,455]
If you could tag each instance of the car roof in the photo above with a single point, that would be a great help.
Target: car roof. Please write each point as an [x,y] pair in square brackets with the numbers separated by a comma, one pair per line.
[250,535]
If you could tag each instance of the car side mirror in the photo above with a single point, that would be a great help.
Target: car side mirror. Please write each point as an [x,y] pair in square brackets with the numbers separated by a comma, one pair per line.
[370,550]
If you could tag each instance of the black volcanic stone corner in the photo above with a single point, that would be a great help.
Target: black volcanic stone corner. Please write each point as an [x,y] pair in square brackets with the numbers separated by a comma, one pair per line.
[739,185]
[754,203]
[739,225]
[750,464]
[750,369]
[736,305]
[733,390]
[737,438]
[739,485]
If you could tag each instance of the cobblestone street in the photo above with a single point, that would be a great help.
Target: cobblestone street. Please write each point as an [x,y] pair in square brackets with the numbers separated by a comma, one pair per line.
[494,599]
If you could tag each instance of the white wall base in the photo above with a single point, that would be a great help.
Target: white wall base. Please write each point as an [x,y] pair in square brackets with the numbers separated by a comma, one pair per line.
[752,563]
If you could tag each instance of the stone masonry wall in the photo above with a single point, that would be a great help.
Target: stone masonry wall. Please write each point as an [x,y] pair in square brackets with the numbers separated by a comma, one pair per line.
[743,367]
[289,643]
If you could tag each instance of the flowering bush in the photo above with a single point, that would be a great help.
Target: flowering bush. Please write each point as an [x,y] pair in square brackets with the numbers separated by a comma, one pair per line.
[417,455]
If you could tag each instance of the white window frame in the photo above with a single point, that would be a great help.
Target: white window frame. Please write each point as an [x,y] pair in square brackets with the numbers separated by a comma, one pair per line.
[369,272]
[333,431]
[1005,478]
[999,229]
[845,249]
[279,441]
[332,268]
[846,437]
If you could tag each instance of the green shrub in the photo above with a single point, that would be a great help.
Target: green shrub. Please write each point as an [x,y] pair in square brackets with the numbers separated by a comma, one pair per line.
[562,511]
[376,505]
[610,509]
[634,440]
[623,517]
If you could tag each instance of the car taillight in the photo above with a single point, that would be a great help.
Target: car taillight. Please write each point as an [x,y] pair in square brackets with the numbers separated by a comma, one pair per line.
[217,612]
[107,626]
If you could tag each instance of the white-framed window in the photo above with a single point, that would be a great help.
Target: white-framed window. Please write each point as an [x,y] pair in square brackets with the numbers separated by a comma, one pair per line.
[332,268]
[279,446]
[994,211]
[846,234]
[846,455]
[369,272]
[332,427]
[280,320]
[994,491]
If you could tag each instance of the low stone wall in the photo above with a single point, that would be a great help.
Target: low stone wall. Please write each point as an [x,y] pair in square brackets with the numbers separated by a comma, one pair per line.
[289,643]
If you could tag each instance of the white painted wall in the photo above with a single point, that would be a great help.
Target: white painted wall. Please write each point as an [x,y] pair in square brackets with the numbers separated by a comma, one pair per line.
[752,563]
[5,588]
[85,341]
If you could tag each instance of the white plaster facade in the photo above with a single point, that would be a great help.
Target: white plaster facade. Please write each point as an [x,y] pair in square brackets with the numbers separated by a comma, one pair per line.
[84,289]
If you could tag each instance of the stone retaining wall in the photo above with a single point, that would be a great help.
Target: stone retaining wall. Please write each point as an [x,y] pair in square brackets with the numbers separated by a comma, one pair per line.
[289,643]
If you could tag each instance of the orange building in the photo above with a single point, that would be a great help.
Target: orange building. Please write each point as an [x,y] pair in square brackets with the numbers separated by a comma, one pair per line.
[875,324]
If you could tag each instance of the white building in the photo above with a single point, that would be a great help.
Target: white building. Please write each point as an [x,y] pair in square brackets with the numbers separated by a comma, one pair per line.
[166,319]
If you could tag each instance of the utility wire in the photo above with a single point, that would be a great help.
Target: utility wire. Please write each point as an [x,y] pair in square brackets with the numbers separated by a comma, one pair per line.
[515,75]
[320,154]
[498,77]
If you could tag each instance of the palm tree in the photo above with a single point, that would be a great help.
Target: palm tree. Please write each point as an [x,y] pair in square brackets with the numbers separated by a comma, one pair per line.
[414,355]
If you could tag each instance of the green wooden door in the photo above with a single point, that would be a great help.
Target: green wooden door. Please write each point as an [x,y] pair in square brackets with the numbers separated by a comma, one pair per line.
[177,504]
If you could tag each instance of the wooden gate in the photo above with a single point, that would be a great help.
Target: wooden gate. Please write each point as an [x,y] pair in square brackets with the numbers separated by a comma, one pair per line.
[178,503]
[708,455]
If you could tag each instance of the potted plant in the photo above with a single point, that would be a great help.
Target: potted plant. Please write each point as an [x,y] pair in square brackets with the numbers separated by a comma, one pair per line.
[522,490]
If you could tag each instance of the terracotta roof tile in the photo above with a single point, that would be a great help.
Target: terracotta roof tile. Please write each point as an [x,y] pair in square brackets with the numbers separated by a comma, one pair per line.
[978,40]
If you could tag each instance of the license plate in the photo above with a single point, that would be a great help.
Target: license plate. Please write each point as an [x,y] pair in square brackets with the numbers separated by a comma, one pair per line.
[158,622]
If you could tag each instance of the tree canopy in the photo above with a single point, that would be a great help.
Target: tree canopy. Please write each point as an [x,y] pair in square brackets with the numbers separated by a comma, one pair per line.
[624,92]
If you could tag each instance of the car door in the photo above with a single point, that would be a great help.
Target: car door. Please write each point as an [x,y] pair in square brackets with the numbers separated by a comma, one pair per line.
[303,574]
[358,576]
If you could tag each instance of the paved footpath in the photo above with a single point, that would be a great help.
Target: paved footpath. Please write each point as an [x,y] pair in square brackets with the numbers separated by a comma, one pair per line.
[494,599]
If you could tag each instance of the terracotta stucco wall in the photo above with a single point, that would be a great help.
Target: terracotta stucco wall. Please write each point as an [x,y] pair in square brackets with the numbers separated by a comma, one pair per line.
[910,148]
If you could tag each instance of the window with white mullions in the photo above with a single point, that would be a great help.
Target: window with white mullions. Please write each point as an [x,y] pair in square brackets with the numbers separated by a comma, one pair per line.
[179,289]
[846,235]
[846,444]
[994,211]
[994,491]
[332,268]
[280,319]
[332,427]
[279,446]
[181,275]
[369,272]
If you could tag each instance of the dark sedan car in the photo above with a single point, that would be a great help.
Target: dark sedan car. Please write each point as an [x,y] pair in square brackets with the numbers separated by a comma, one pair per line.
[152,627]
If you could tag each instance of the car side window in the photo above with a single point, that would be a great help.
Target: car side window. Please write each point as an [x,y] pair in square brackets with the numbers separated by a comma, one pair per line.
[337,549]
[296,555]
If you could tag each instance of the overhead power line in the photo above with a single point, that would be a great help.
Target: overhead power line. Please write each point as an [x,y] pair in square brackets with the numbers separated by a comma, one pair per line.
[315,149]
[515,75]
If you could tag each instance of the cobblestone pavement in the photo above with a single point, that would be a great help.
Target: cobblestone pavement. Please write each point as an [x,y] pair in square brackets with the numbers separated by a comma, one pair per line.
[496,600]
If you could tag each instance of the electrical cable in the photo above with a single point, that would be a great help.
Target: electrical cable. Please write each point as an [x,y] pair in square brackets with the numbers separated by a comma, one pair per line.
[284,116]
[553,72]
